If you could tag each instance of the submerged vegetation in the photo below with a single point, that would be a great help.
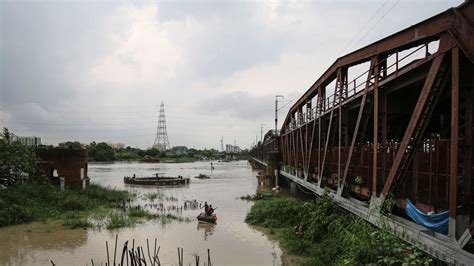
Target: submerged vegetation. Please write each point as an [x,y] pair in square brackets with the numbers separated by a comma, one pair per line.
[38,201]
[324,234]
[27,196]
[96,206]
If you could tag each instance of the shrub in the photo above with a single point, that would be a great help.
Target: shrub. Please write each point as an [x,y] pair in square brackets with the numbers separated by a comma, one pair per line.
[276,213]
[330,235]
[75,203]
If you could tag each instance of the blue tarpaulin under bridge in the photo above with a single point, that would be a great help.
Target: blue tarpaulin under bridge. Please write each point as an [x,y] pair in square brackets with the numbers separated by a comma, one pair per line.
[437,222]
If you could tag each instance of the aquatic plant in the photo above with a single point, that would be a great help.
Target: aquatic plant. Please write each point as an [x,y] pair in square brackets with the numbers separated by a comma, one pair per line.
[77,223]
[23,203]
[118,220]
[153,196]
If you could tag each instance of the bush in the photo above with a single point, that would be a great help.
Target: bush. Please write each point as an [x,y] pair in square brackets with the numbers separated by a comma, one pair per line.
[276,213]
[330,235]
[75,203]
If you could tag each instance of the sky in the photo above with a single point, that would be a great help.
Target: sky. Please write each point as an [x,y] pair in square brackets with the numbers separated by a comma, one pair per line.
[99,70]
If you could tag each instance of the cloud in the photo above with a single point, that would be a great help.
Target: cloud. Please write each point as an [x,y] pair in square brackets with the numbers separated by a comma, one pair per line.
[143,54]
[239,104]
[99,70]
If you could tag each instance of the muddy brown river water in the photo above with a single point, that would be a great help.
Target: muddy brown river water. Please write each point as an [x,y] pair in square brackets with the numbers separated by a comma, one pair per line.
[231,241]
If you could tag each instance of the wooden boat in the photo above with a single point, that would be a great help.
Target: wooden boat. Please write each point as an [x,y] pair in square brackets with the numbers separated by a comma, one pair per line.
[204,218]
[157,180]
[202,176]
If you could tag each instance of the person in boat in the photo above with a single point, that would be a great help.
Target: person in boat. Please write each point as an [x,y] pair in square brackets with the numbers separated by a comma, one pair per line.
[210,210]
[206,207]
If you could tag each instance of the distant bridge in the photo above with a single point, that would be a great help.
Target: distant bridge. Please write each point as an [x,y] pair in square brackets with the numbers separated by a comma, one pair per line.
[394,118]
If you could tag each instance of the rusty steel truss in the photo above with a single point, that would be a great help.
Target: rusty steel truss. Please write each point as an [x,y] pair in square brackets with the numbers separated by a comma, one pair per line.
[393,119]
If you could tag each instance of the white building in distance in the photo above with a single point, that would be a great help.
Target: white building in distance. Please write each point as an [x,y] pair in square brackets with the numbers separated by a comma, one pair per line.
[32,141]
[232,149]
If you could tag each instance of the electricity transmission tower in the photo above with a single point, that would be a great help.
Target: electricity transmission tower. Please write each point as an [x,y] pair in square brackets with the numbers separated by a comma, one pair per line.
[161,141]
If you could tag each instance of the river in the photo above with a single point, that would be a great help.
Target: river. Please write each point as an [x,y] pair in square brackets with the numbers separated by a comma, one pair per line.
[231,241]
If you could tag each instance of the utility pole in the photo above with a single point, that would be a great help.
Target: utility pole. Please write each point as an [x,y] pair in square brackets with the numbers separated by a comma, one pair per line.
[276,112]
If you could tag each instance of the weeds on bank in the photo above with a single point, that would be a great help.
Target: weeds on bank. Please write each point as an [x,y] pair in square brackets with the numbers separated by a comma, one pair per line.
[259,196]
[330,235]
[30,202]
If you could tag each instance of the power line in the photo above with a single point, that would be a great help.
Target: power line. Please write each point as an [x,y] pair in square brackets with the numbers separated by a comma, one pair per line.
[365,25]
[288,102]
[376,23]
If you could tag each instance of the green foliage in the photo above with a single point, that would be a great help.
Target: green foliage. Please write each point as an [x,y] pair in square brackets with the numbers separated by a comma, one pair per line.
[118,220]
[36,201]
[17,161]
[139,213]
[74,202]
[260,195]
[177,154]
[101,152]
[76,222]
[275,213]
[105,196]
[72,144]
[330,235]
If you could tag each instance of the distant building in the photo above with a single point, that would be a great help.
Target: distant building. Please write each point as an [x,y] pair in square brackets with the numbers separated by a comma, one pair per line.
[179,150]
[28,141]
[232,149]
[116,146]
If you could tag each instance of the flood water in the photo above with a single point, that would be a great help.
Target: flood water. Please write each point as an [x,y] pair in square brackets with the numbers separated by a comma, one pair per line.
[231,241]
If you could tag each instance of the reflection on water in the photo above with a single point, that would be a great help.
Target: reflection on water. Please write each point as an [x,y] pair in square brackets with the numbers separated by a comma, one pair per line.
[31,244]
[208,229]
[230,241]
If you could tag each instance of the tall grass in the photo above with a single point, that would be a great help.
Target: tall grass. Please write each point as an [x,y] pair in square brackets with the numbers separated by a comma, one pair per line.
[30,202]
[330,235]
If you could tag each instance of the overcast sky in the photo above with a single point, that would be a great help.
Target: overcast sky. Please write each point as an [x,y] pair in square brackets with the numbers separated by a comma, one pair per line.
[90,70]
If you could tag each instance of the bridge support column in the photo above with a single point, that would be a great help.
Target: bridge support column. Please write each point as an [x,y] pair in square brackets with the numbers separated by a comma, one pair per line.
[276,178]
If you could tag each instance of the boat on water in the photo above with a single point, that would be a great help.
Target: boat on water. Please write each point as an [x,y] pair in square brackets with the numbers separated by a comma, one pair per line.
[202,176]
[204,218]
[158,180]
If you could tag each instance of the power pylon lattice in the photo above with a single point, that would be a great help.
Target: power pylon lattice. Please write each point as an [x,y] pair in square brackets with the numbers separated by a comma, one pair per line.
[161,141]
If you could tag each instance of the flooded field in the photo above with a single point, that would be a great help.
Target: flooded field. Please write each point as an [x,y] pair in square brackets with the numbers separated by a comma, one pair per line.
[231,241]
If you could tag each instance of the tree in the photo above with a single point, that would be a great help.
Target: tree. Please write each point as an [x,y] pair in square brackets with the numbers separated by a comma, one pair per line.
[73,144]
[17,161]
[101,152]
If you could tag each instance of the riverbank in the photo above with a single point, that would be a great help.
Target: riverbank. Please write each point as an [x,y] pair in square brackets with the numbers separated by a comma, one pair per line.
[323,234]
[96,206]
